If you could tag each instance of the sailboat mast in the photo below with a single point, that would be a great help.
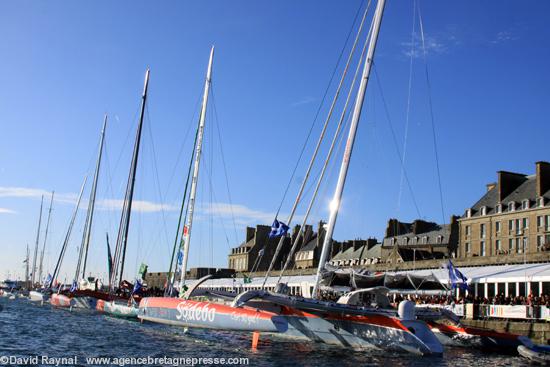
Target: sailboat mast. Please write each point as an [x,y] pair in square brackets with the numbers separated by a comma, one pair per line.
[193,193]
[27,269]
[68,235]
[335,204]
[40,267]
[91,204]
[33,275]
[122,238]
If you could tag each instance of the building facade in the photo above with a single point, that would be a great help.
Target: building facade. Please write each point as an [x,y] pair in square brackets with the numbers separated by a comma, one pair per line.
[511,218]
[419,240]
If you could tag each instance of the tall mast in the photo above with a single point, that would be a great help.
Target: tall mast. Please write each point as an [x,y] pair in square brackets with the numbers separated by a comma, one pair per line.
[33,275]
[122,238]
[26,269]
[335,204]
[193,193]
[40,268]
[68,235]
[90,214]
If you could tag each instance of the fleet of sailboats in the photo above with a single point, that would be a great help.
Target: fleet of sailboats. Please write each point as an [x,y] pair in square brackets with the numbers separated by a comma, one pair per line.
[348,322]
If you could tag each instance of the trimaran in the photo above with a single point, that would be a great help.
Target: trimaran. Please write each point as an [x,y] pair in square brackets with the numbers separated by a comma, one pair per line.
[262,311]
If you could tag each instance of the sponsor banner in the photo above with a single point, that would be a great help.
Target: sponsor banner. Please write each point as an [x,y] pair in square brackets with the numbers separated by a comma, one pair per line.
[508,312]
[545,313]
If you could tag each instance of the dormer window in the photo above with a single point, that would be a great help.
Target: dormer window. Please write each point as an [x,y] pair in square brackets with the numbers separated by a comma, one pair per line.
[468,213]
[483,210]
[425,240]
[511,206]
[525,204]
[414,240]
[439,239]
[540,202]
[405,240]
[499,208]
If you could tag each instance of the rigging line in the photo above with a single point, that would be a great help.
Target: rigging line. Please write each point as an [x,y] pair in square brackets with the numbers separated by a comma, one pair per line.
[331,149]
[319,141]
[216,122]
[319,108]
[394,138]
[155,167]
[191,124]
[432,118]
[407,116]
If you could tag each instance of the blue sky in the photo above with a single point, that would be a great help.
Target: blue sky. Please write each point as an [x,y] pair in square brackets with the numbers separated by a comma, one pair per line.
[64,64]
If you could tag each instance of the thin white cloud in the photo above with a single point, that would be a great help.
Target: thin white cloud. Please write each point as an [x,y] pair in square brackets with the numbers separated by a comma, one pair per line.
[504,36]
[26,192]
[137,205]
[244,216]
[432,45]
[7,211]
[303,101]
[70,198]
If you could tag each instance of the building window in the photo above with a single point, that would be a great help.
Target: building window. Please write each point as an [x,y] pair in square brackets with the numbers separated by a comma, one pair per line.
[510,226]
[483,210]
[525,223]
[518,245]
[498,246]
[468,247]
[511,245]
[468,213]
[525,204]
[439,239]
[497,227]
[511,206]
[405,240]
[540,221]
[425,240]
[499,208]
[482,230]
[468,230]
[526,244]
[482,246]
[518,226]
[540,202]
[547,222]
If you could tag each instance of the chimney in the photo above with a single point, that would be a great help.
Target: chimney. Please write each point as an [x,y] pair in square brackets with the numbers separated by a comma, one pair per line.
[543,178]
[357,244]
[392,228]
[250,231]
[335,248]
[371,242]
[346,245]
[491,186]
[421,226]
[508,182]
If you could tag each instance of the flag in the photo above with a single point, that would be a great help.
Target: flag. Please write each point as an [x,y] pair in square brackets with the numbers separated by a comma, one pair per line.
[48,281]
[137,286]
[261,252]
[74,287]
[109,258]
[278,229]
[457,278]
[180,257]
[142,270]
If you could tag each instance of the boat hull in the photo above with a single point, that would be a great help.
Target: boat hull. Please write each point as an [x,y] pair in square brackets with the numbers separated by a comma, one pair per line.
[117,309]
[373,331]
[474,337]
[208,315]
[63,301]
[35,296]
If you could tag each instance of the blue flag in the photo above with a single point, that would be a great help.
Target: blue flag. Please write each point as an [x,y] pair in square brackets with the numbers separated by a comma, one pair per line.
[278,229]
[457,278]
[137,286]
[180,257]
[74,287]
[48,281]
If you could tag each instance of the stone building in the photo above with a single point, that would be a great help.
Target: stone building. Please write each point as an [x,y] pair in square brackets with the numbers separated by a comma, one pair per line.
[356,253]
[246,257]
[511,218]
[308,255]
[419,240]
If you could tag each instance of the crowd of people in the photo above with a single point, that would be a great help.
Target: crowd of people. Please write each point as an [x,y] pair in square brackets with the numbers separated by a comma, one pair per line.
[499,299]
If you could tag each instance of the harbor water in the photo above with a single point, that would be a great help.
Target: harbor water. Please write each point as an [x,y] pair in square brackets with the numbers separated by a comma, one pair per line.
[30,330]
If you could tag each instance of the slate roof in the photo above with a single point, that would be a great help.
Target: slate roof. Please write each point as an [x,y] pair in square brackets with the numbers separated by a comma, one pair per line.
[527,190]
[361,253]
[439,230]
